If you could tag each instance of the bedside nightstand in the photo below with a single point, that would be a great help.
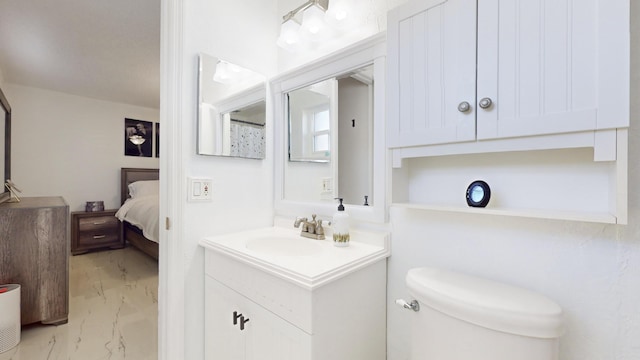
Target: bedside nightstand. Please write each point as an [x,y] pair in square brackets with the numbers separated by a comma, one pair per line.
[95,230]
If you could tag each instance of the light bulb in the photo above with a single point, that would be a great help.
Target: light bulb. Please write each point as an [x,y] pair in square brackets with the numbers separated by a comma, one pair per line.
[289,35]
[342,14]
[222,72]
[313,22]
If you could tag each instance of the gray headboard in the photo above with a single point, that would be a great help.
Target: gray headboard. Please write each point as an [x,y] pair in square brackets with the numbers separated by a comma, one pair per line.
[129,175]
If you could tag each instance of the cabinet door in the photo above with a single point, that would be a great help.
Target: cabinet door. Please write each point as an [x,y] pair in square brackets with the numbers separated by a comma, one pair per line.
[223,340]
[265,336]
[431,70]
[551,66]
[272,338]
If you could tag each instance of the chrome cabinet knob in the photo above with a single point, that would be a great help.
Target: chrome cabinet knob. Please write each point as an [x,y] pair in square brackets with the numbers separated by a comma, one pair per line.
[464,106]
[485,103]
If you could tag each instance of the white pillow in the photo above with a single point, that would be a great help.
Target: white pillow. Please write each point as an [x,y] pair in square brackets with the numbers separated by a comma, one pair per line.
[144,188]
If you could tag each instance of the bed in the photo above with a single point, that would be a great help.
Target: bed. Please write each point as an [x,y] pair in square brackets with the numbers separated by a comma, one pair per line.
[139,196]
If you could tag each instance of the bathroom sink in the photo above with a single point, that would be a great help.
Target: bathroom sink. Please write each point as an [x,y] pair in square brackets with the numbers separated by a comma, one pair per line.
[283,246]
[282,252]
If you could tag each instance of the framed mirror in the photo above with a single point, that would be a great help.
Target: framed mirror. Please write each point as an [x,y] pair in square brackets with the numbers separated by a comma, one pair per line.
[231,110]
[5,147]
[316,163]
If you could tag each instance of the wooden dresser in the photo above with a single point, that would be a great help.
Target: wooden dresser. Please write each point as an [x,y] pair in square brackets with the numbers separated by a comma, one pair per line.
[34,252]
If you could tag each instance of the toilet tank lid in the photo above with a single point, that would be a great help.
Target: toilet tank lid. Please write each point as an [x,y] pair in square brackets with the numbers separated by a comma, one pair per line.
[486,303]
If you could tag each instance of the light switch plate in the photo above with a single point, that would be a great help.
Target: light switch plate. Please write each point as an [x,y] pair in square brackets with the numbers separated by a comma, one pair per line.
[199,189]
[326,189]
[326,185]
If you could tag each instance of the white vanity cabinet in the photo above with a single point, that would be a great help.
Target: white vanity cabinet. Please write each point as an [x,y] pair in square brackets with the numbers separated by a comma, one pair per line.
[467,70]
[260,307]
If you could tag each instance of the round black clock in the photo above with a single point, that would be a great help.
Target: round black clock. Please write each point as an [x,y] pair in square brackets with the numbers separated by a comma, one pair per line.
[478,194]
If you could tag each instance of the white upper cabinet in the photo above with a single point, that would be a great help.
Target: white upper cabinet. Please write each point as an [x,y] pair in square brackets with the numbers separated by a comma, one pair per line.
[432,69]
[524,67]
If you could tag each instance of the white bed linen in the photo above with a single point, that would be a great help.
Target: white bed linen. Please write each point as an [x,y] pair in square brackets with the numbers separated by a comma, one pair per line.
[142,212]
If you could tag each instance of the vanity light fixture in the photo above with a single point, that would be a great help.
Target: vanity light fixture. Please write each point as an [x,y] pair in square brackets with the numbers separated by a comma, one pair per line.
[294,35]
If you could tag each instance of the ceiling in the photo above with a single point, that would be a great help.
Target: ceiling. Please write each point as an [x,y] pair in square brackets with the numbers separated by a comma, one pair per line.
[108,50]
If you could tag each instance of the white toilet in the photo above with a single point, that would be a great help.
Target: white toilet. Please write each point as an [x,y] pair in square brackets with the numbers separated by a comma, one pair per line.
[460,317]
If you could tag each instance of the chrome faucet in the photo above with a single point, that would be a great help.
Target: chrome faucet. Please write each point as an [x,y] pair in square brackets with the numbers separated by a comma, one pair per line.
[311,229]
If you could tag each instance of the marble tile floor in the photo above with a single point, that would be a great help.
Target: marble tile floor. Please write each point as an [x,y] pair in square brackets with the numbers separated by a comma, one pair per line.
[113,312]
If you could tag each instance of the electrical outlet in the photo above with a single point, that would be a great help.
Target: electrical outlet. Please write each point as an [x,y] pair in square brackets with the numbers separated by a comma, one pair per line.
[199,189]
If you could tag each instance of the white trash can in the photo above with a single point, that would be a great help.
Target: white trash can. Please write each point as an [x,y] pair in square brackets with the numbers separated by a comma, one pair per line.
[10,318]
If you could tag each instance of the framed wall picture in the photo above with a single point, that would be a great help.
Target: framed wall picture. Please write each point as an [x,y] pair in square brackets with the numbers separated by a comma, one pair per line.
[138,137]
[157,140]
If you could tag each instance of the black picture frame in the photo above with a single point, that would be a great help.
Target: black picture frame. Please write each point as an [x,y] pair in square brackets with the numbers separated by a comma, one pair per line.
[138,137]
[157,135]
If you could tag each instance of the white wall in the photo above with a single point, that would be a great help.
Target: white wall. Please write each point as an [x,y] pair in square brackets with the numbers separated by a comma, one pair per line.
[242,32]
[70,146]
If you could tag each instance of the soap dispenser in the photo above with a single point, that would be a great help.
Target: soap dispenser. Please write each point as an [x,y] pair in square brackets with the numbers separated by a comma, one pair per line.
[341,226]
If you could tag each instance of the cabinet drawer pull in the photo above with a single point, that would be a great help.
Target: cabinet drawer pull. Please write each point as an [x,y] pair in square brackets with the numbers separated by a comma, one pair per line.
[242,322]
[99,236]
[485,103]
[464,107]
[242,319]
[235,317]
[99,222]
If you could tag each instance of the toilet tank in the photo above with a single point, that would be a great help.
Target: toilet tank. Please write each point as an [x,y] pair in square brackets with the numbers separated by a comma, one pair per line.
[462,317]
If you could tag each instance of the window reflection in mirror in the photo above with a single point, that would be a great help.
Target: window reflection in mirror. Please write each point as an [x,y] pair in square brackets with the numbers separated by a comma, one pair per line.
[310,121]
[330,140]
[231,110]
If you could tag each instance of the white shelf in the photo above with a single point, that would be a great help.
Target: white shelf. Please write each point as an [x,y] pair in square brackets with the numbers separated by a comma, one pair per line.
[530,213]
[575,184]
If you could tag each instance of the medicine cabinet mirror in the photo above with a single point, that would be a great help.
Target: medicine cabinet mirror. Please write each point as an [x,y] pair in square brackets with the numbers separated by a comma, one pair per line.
[329,114]
[231,110]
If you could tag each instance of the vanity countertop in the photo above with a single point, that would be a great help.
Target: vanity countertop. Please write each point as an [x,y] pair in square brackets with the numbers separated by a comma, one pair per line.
[306,262]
